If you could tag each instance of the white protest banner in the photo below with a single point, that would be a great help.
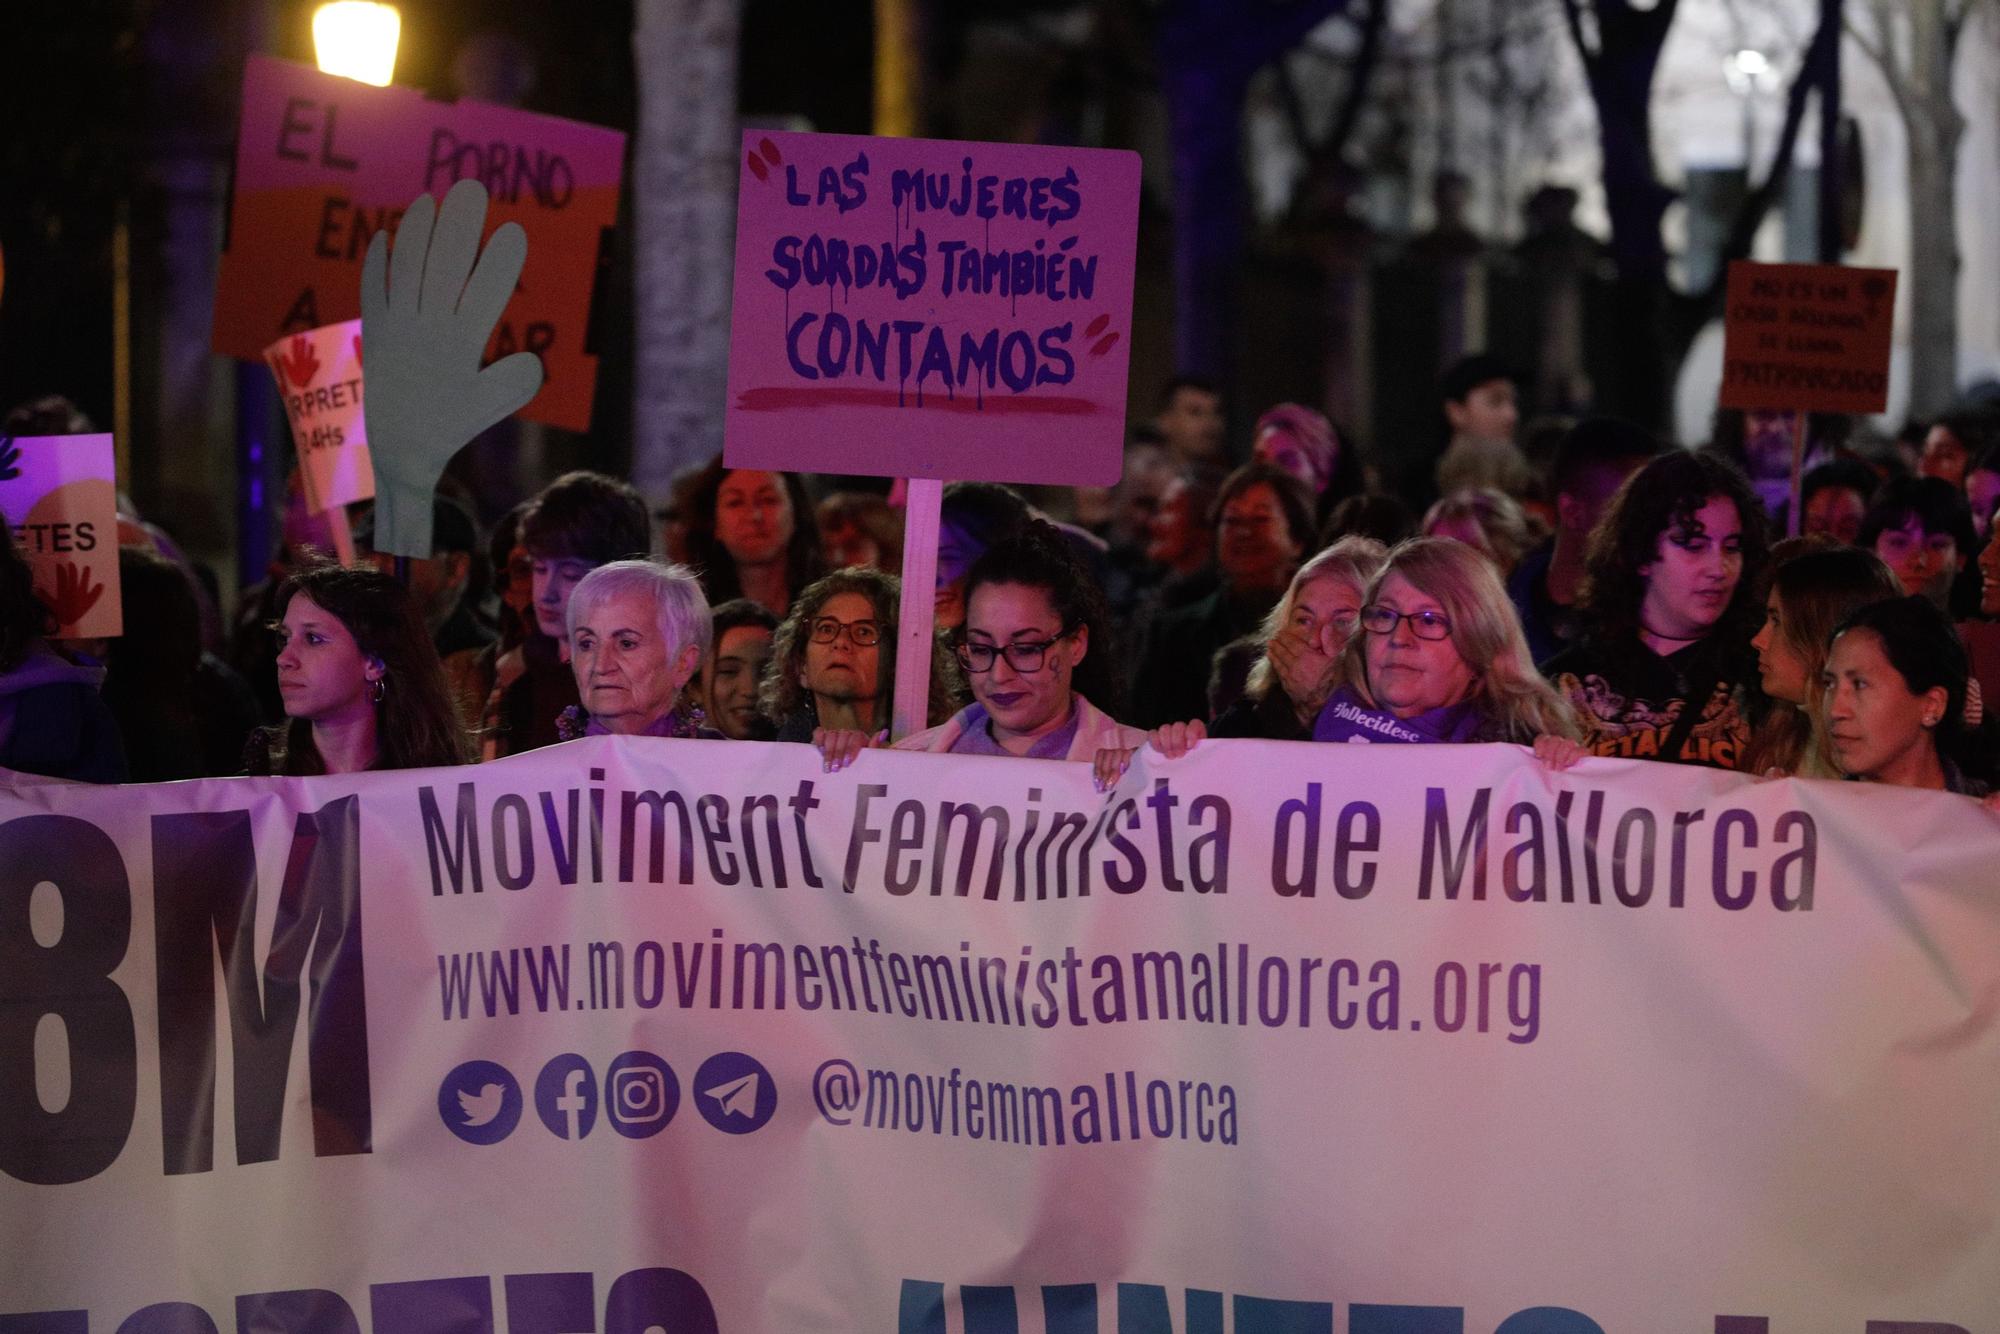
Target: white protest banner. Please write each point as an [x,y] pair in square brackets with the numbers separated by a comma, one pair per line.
[648,1034]
[319,377]
[60,494]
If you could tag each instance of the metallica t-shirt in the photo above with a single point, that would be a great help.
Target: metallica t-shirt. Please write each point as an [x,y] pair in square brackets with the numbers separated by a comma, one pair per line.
[1629,699]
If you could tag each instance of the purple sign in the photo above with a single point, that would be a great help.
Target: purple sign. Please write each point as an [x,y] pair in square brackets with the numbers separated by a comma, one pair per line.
[924,308]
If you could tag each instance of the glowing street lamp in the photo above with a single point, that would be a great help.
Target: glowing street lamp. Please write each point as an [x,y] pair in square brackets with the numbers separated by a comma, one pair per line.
[356,39]
[1749,71]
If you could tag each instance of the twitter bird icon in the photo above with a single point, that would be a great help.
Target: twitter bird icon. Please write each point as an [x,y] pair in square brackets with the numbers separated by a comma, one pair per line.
[483,1106]
[480,1102]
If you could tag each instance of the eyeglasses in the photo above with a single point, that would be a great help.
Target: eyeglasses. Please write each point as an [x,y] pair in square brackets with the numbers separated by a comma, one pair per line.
[1377,619]
[1021,655]
[864,634]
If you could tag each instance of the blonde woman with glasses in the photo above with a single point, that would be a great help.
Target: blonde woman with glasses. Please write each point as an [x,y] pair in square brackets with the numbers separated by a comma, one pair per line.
[1438,656]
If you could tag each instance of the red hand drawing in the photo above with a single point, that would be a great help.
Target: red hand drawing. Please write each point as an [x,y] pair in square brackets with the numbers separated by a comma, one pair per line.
[302,364]
[74,595]
[1104,344]
[761,161]
[357,349]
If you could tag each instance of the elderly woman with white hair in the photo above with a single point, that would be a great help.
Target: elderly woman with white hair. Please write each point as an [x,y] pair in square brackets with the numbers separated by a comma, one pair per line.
[638,631]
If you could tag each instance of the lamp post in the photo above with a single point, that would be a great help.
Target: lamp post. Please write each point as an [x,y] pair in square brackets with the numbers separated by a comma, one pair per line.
[356,39]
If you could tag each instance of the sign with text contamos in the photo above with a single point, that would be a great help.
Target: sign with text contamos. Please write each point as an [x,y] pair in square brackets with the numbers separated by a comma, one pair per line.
[323,163]
[1809,337]
[60,495]
[923,308]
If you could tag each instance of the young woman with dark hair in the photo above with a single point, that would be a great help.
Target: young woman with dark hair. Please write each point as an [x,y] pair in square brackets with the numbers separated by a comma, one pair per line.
[1035,647]
[1922,529]
[360,678]
[753,536]
[1893,693]
[1663,670]
[733,671]
[52,720]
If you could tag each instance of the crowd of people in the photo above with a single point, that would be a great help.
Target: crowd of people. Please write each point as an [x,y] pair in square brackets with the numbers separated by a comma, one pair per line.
[1586,590]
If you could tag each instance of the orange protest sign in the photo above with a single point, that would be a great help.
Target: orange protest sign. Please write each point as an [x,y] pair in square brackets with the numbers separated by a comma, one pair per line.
[1809,337]
[323,163]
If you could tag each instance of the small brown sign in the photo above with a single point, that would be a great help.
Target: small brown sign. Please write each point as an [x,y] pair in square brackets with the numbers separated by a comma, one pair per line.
[1808,337]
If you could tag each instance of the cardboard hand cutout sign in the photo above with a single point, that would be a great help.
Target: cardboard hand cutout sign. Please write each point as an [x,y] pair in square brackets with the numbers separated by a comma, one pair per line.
[427,310]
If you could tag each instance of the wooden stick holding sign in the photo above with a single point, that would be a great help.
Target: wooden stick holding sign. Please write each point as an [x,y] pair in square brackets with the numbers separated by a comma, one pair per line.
[916,621]
[1795,511]
[1807,338]
[930,310]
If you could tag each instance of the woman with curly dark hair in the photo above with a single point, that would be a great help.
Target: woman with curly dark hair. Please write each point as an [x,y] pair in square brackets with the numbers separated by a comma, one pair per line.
[752,535]
[360,678]
[52,720]
[1664,668]
[833,662]
[1035,647]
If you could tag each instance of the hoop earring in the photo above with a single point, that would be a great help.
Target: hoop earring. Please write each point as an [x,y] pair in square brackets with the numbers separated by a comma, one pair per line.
[377,689]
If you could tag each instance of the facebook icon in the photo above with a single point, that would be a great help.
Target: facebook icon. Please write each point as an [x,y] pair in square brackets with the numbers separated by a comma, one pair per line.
[566,1096]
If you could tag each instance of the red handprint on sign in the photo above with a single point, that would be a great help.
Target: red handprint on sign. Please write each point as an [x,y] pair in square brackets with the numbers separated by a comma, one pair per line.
[763,159]
[301,364]
[75,594]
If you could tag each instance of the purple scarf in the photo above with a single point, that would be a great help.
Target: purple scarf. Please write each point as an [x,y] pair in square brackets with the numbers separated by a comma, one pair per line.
[1348,717]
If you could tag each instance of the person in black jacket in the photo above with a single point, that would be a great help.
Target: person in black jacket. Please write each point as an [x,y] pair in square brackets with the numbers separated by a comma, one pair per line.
[1264,528]
[1664,669]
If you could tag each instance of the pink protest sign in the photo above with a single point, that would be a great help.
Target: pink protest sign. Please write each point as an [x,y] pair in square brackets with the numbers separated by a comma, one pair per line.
[923,308]
[323,163]
[319,375]
[60,494]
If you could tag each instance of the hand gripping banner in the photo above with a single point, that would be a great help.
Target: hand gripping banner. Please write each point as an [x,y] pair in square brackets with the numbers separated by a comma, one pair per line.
[633,1035]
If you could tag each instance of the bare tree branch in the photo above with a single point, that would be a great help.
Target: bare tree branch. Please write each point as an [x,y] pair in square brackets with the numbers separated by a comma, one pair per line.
[1573,16]
[1366,59]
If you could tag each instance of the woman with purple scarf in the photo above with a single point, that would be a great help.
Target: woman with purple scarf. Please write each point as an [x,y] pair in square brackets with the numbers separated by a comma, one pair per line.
[638,631]
[1440,657]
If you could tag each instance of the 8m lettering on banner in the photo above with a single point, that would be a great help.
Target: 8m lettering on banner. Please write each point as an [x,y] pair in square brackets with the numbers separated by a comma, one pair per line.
[205,877]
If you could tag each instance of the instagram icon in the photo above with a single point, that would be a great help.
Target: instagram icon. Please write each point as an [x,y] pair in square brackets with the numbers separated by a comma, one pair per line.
[641,1094]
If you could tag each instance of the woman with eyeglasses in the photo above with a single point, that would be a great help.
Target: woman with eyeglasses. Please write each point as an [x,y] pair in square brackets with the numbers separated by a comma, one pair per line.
[1440,657]
[1437,655]
[833,665]
[1032,647]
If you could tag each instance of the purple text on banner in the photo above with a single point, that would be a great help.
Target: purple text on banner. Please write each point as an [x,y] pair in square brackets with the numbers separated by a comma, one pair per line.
[925,308]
